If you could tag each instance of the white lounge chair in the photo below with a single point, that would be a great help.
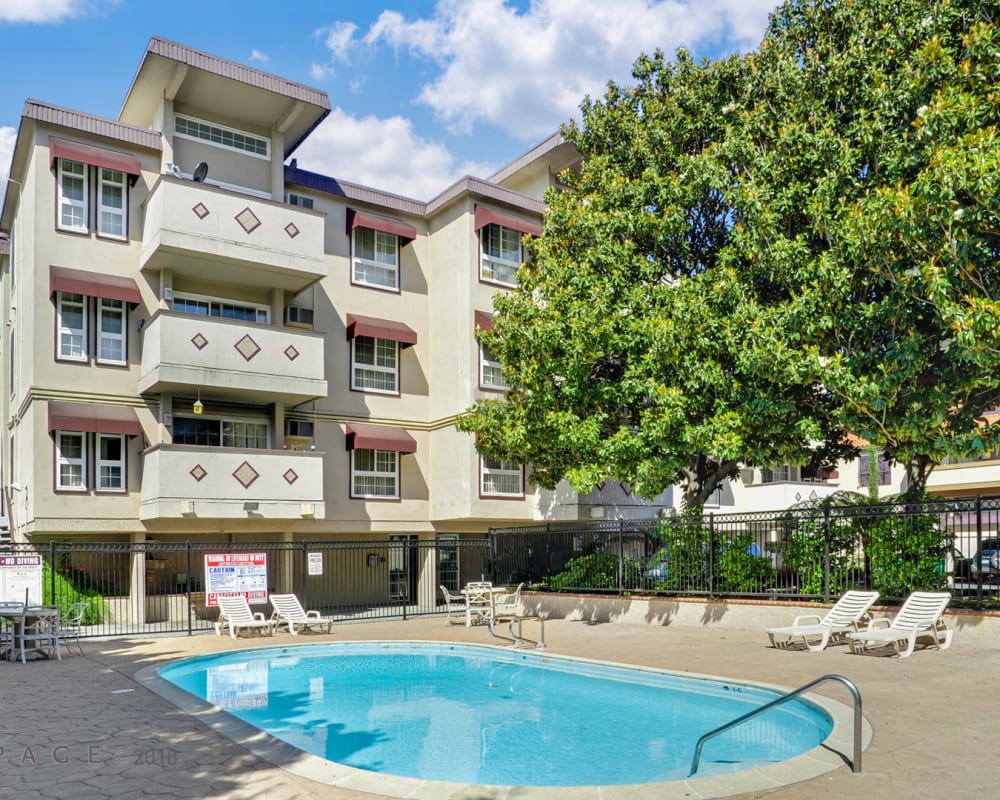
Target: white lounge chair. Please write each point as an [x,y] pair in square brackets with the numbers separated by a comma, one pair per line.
[288,611]
[920,617]
[455,604]
[817,632]
[235,613]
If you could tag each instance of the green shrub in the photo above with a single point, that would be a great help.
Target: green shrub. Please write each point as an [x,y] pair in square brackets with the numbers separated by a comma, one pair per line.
[70,589]
[596,571]
[739,570]
[908,553]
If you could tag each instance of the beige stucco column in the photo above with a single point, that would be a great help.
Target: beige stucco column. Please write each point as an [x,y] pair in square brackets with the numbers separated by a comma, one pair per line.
[137,581]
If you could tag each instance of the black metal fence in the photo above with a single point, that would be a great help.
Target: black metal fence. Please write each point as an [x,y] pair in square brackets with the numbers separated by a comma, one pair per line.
[162,587]
[813,552]
[808,553]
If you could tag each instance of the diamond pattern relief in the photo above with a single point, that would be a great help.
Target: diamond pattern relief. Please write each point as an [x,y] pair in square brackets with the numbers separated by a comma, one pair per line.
[247,347]
[291,476]
[291,353]
[245,474]
[198,472]
[199,341]
[291,230]
[200,211]
[248,220]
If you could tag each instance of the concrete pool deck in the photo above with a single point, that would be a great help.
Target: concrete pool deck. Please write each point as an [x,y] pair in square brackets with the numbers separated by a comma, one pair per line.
[85,728]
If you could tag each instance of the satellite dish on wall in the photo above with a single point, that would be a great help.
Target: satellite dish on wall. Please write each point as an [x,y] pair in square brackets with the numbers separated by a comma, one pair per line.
[200,172]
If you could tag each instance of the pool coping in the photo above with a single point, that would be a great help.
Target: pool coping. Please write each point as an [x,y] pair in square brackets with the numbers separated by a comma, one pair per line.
[835,752]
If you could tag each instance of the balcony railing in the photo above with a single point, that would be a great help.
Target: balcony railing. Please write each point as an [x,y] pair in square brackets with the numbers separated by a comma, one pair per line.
[219,235]
[242,360]
[191,482]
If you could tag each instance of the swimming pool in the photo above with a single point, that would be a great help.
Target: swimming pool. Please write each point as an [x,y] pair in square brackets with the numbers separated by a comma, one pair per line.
[480,715]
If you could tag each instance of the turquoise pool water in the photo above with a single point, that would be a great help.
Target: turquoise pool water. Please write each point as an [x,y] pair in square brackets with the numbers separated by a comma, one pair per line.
[490,716]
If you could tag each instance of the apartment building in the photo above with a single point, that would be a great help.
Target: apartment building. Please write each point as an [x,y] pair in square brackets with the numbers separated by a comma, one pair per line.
[205,341]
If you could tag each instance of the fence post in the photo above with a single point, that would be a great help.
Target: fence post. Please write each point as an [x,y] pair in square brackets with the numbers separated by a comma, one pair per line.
[52,575]
[711,555]
[305,574]
[979,549]
[826,553]
[621,555]
[187,588]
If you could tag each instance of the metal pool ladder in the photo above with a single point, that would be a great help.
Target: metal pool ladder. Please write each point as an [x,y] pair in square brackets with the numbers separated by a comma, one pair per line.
[519,639]
[856,762]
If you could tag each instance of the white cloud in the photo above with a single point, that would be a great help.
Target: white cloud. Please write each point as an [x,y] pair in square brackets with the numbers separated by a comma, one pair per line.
[528,72]
[383,154]
[340,40]
[7,137]
[320,72]
[256,55]
[38,10]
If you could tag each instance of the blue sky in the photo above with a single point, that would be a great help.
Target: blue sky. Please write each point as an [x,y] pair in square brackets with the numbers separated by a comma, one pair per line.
[422,91]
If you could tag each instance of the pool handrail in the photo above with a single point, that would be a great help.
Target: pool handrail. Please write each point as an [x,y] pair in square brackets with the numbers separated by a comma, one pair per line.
[855,763]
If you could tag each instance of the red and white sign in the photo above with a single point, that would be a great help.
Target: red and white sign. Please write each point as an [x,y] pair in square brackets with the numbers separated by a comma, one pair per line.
[234,574]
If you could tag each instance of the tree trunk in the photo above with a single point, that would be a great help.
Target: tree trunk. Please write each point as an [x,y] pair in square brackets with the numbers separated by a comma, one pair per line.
[918,469]
[701,479]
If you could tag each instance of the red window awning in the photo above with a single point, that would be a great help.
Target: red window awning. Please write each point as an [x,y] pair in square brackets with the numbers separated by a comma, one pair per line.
[93,284]
[485,216]
[95,156]
[380,329]
[92,418]
[379,437]
[364,219]
[484,321]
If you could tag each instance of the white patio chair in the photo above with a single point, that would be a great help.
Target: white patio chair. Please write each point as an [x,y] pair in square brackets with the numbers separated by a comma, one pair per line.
[817,632]
[39,628]
[288,611]
[456,606]
[235,613]
[920,617]
[70,624]
[508,605]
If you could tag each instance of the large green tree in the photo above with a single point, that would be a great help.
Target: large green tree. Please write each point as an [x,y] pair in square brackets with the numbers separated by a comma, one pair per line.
[762,253]
[632,349]
[868,181]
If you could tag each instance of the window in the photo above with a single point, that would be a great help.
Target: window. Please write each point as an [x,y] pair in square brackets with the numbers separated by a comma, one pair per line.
[375,473]
[501,253]
[73,313]
[864,470]
[776,474]
[71,320]
[231,138]
[220,307]
[374,364]
[300,200]
[490,371]
[73,181]
[501,478]
[71,461]
[376,258]
[110,462]
[111,203]
[110,331]
[220,432]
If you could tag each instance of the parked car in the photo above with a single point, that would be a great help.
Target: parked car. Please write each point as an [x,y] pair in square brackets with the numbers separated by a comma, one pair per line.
[986,561]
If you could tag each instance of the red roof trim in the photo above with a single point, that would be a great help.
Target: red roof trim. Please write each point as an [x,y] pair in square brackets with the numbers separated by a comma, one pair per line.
[379,437]
[96,156]
[92,418]
[380,329]
[93,284]
[485,216]
[363,219]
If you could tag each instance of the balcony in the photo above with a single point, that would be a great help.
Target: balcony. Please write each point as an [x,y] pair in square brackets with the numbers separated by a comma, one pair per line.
[240,360]
[191,482]
[223,236]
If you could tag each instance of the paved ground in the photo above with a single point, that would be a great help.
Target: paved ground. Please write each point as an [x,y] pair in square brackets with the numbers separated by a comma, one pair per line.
[84,728]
